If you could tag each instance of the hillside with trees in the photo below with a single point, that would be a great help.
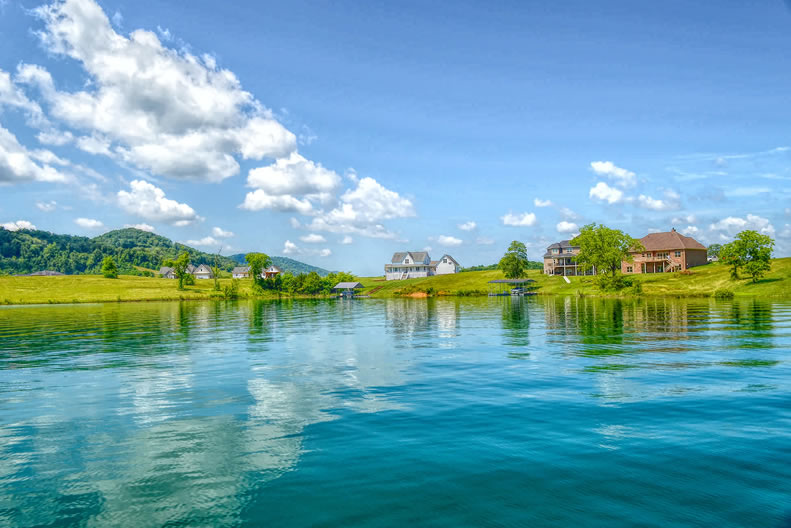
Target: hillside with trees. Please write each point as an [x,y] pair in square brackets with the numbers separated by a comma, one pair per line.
[288,265]
[28,251]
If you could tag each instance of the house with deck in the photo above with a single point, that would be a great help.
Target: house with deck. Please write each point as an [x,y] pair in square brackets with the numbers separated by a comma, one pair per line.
[559,260]
[665,252]
[271,272]
[418,264]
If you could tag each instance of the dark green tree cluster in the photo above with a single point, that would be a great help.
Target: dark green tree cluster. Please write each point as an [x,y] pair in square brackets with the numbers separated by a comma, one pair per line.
[604,249]
[26,251]
[750,251]
[305,283]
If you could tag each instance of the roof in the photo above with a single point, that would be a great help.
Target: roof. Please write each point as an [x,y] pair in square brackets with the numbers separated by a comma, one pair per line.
[451,258]
[241,269]
[417,256]
[203,268]
[274,268]
[511,281]
[562,244]
[669,240]
[434,263]
[46,273]
[348,286]
[165,269]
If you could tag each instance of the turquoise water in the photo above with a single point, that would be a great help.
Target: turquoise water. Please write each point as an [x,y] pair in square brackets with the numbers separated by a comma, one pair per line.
[479,412]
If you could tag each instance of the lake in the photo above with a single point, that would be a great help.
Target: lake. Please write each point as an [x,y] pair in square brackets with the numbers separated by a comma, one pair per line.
[544,411]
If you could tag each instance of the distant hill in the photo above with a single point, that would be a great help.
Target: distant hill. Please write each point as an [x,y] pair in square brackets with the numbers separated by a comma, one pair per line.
[27,251]
[288,265]
[531,265]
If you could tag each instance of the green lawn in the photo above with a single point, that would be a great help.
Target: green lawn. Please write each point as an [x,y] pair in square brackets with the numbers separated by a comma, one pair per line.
[703,281]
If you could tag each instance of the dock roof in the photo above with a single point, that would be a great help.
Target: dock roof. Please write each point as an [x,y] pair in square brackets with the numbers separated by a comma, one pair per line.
[348,286]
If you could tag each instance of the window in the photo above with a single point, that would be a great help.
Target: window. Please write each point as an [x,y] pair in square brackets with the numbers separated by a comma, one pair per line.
[678,253]
[628,269]
[445,261]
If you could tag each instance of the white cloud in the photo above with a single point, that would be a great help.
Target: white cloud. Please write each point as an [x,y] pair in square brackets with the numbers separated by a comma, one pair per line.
[149,202]
[688,219]
[221,233]
[449,241]
[691,231]
[622,177]
[729,227]
[347,240]
[11,95]
[467,226]
[538,202]
[88,223]
[567,227]
[519,220]
[55,137]
[483,241]
[141,227]
[16,226]
[204,242]
[47,207]
[568,214]
[290,248]
[163,110]
[18,164]
[326,252]
[362,209]
[604,193]
[94,145]
[313,238]
[670,202]
[291,184]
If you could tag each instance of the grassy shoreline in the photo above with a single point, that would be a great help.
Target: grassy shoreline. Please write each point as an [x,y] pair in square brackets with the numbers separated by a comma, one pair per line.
[701,282]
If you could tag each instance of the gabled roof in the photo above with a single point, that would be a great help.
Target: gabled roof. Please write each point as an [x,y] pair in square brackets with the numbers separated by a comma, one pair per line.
[563,244]
[241,269]
[165,269]
[417,256]
[274,268]
[433,263]
[203,268]
[669,240]
[348,286]
[451,258]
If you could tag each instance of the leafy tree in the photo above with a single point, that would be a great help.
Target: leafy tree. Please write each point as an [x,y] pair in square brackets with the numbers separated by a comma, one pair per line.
[752,251]
[604,248]
[514,263]
[180,266]
[312,284]
[714,250]
[109,269]
[258,262]
[215,271]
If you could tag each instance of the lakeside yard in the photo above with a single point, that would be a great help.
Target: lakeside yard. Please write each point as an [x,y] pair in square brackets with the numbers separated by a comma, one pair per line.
[700,282]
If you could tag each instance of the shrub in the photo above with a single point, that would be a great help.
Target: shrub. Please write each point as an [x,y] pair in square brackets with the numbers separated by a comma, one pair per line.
[189,279]
[231,291]
[723,293]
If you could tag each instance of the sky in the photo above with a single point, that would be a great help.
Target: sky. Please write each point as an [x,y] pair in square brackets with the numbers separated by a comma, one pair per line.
[337,133]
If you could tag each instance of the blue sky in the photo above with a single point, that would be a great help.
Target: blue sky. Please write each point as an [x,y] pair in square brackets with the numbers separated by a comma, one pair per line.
[337,132]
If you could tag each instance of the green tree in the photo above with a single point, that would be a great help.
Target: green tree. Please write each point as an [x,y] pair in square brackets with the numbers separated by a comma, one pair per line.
[258,262]
[215,271]
[514,262]
[714,250]
[109,269]
[180,266]
[604,248]
[312,283]
[752,251]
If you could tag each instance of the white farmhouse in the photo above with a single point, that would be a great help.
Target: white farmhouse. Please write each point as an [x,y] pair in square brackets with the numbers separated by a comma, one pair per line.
[416,264]
[203,272]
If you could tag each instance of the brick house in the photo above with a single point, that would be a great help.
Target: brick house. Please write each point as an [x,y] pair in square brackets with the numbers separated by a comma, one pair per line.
[664,252]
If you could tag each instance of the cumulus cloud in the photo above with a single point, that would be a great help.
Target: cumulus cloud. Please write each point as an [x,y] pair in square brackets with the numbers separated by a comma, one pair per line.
[729,227]
[47,207]
[88,223]
[149,202]
[141,227]
[621,177]
[449,241]
[567,227]
[204,242]
[313,238]
[221,233]
[291,184]
[519,220]
[290,248]
[158,108]
[688,219]
[484,241]
[691,231]
[467,226]
[670,201]
[538,202]
[347,240]
[18,225]
[18,164]
[362,209]
[602,192]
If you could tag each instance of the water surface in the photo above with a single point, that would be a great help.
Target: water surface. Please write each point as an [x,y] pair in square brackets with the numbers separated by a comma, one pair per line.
[484,412]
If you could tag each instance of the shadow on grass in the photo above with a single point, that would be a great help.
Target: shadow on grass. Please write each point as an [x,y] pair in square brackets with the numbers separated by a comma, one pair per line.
[762,281]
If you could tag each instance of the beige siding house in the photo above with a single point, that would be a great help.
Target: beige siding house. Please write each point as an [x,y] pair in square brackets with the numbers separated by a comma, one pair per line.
[415,264]
[559,260]
[670,251]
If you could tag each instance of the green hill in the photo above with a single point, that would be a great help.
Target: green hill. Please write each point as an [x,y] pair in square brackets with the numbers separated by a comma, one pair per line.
[27,251]
[288,265]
